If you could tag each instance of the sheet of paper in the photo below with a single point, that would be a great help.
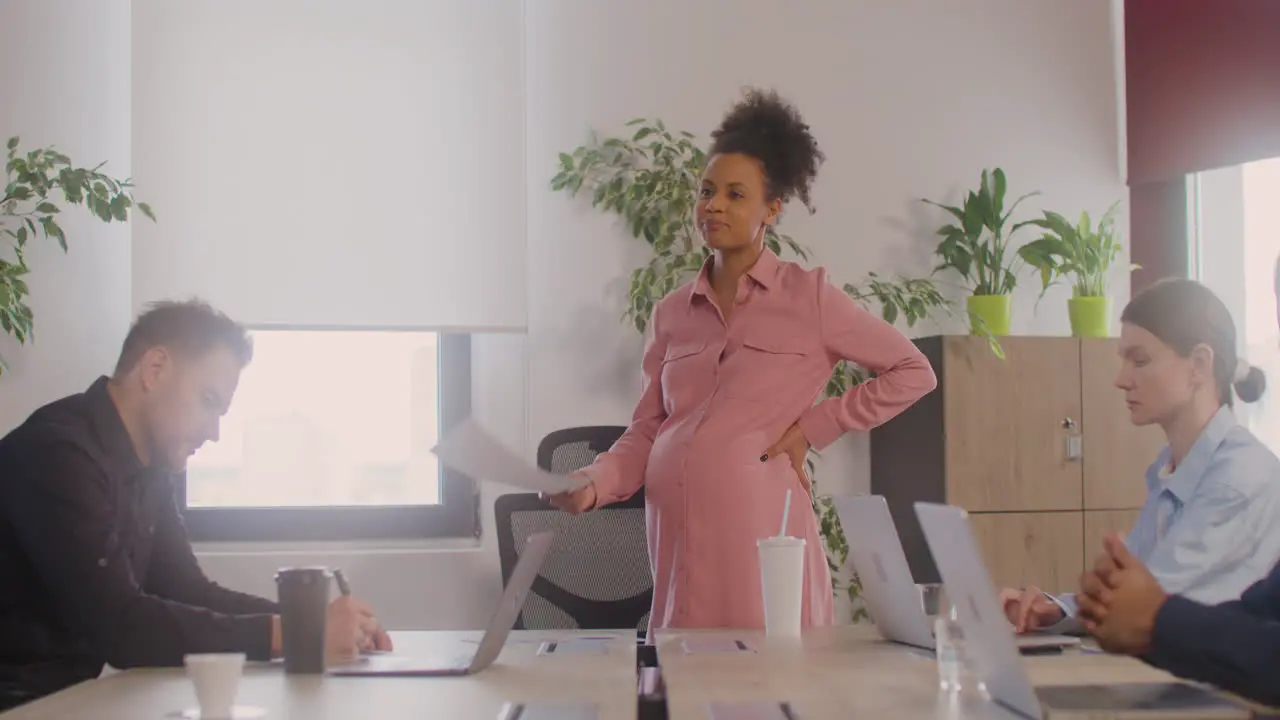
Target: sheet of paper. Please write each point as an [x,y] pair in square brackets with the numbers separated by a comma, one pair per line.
[470,449]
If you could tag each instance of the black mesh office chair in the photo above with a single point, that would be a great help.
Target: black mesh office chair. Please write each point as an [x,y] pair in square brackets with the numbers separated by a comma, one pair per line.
[597,574]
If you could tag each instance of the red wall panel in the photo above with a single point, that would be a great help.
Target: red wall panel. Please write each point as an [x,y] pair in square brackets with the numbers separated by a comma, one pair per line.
[1158,232]
[1202,85]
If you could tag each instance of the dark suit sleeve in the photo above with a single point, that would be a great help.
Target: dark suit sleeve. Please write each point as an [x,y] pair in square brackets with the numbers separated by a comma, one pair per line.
[175,573]
[66,526]
[1235,645]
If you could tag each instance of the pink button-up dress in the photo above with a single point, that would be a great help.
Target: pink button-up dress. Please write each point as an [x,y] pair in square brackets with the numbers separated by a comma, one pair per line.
[716,396]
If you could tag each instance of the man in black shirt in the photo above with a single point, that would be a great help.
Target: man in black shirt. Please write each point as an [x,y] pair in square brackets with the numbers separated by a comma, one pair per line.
[95,564]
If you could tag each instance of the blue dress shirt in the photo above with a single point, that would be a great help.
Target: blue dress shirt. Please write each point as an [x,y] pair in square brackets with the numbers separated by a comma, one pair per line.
[1210,528]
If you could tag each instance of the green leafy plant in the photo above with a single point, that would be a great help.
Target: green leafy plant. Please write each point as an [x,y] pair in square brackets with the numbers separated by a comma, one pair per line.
[649,178]
[1083,251]
[35,182]
[977,245]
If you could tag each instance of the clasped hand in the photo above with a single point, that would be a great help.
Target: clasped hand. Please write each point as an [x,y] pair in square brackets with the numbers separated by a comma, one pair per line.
[1119,600]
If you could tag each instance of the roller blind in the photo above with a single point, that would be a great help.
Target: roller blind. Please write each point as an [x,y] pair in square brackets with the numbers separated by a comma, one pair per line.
[1202,81]
[332,162]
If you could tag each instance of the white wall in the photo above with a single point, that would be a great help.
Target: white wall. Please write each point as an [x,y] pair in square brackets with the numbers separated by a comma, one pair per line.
[66,82]
[908,99]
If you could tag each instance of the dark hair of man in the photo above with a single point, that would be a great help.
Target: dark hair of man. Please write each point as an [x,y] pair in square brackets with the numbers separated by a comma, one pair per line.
[191,328]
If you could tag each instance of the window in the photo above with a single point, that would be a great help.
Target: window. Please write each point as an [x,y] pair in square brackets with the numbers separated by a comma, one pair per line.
[329,437]
[1260,183]
[1237,221]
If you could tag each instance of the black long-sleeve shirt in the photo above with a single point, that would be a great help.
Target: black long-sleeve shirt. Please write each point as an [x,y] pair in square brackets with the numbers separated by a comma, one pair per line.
[1234,645]
[95,564]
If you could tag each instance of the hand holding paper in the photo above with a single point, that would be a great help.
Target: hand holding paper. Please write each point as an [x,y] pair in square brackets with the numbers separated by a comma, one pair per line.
[470,449]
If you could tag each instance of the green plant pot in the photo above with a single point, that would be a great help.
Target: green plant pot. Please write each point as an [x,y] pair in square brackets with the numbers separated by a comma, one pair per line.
[990,311]
[1090,316]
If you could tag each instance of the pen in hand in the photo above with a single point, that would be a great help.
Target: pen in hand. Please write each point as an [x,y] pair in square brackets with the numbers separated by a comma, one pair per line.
[345,588]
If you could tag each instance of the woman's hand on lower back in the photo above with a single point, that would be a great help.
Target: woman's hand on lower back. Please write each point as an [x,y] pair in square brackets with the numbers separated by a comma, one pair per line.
[795,446]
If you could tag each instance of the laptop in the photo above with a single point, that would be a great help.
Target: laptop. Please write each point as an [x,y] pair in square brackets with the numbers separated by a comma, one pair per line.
[989,638]
[495,635]
[888,587]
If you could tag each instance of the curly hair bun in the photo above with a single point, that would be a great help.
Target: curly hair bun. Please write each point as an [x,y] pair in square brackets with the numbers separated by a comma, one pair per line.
[771,130]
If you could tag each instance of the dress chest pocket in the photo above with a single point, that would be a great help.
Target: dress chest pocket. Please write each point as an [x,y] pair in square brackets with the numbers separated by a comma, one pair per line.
[765,365]
[683,372]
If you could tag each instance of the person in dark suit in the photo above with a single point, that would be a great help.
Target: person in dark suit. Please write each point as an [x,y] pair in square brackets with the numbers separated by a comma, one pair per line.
[95,564]
[1234,645]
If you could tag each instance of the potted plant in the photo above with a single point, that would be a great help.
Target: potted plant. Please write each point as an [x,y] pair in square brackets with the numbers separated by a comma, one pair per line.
[28,209]
[649,178]
[977,247]
[1085,252]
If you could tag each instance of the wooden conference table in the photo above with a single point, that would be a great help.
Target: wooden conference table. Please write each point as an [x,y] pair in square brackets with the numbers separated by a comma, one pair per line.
[831,673]
[849,672]
[519,674]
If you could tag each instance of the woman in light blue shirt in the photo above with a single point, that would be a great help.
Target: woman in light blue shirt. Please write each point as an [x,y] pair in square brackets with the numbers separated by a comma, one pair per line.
[1211,524]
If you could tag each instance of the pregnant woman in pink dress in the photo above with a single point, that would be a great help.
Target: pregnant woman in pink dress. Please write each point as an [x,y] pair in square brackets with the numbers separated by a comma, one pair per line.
[733,367]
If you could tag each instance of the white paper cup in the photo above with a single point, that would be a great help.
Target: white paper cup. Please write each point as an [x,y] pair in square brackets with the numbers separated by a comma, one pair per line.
[782,582]
[216,677]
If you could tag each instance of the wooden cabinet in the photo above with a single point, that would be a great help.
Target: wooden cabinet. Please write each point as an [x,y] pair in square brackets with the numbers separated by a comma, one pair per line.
[1116,454]
[1002,423]
[1099,523]
[1037,446]
[1031,548]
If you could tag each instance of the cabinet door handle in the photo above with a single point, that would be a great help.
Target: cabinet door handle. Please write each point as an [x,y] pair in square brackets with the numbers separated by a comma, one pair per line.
[1074,441]
[1075,447]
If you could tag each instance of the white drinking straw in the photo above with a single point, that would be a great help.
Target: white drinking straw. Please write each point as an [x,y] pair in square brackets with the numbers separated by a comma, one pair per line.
[786,510]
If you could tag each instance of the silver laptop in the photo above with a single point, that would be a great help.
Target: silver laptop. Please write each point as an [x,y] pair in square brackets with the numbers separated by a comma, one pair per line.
[887,584]
[989,637]
[495,636]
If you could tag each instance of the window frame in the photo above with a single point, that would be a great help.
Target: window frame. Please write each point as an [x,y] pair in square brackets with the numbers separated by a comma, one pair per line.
[456,516]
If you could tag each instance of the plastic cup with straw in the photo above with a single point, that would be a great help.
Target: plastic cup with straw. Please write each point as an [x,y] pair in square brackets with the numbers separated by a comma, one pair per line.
[782,579]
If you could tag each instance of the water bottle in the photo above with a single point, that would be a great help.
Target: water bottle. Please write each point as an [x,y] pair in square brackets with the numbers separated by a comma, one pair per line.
[957,671]
[949,643]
